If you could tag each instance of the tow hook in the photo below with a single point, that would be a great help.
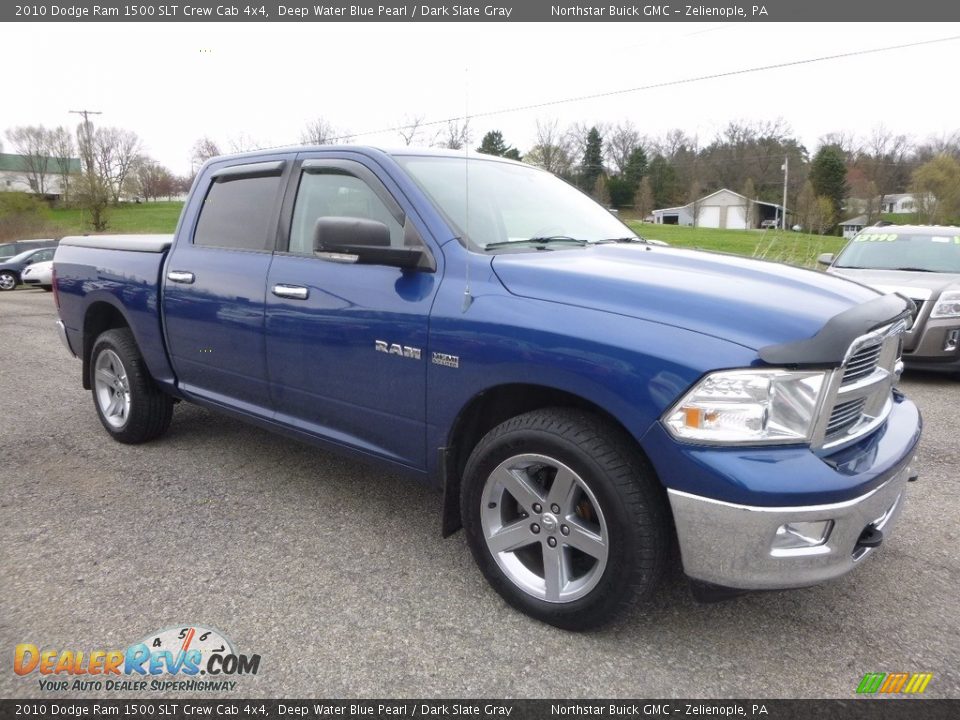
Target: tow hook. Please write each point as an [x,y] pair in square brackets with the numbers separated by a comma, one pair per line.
[871,537]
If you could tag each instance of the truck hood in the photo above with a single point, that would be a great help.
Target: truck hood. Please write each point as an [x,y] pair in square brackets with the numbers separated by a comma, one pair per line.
[912,284]
[750,302]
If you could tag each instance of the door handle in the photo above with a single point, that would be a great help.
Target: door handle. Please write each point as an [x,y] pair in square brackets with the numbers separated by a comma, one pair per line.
[294,292]
[179,276]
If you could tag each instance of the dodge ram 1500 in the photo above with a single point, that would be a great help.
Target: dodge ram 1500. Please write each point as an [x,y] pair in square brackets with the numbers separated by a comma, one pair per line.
[584,399]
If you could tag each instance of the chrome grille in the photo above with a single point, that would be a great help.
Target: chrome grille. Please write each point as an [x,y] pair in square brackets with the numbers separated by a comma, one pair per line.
[844,416]
[859,394]
[862,362]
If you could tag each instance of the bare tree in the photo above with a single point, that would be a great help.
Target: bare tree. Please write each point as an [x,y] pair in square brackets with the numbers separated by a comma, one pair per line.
[553,150]
[643,199]
[411,130]
[322,132]
[204,149]
[63,150]
[882,160]
[243,143]
[32,143]
[848,143]
[153,180]
[455,135]
[620,143]
[674,143]
[115,152]
[695,199]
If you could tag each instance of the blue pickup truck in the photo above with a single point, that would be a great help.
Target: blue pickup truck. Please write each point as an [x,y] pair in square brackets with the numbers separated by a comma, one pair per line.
[587,401]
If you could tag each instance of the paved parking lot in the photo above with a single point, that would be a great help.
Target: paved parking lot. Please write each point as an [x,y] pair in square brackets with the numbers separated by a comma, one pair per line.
[336,575]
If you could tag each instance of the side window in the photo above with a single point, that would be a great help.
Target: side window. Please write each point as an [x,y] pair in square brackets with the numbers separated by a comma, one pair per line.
[239,213]
[336,194]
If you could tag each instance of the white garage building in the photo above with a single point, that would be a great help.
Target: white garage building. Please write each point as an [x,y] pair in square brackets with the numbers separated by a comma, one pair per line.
[721,209]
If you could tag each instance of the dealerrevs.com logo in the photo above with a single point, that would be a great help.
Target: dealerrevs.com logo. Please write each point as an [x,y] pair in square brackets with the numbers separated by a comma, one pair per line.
[184,658]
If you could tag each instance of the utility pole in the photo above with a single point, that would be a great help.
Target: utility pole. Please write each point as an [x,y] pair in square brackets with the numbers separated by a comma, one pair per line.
[786,172]
[89,141]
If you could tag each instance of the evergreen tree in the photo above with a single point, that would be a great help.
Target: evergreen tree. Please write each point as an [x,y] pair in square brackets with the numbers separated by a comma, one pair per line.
[828,175]
[635,168]
[493,144]
[592,166]
[664,183]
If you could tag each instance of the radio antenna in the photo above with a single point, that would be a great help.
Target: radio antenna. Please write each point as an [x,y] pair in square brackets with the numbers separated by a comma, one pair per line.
[464,135]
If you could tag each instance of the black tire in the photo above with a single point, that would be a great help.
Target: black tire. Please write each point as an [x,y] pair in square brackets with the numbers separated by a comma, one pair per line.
[632,506]
[8,280]
[149,410]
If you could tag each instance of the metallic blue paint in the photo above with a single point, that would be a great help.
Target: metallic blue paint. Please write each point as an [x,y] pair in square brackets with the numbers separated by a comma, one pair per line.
[624,327]
[750,302]
[128,282]
[786,476]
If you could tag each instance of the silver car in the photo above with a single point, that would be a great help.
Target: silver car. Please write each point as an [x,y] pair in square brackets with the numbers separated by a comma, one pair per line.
[921,262]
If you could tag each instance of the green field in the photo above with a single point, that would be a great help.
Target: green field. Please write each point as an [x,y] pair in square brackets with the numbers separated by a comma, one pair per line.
[150,217]
[789,247]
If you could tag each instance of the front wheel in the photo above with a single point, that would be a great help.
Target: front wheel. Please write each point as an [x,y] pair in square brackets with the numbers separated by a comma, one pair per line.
[129,404]
[565,517]
[8,281]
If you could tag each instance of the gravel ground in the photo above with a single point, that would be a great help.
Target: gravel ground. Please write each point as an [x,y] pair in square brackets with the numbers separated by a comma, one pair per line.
[336,575]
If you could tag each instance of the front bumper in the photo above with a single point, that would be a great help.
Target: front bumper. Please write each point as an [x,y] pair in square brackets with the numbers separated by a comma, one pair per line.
[928,345]
[732,545]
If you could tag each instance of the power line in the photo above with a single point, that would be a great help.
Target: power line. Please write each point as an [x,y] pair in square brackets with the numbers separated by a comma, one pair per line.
[654,86]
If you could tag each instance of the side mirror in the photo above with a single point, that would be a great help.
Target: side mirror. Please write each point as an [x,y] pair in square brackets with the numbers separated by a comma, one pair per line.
[361,241]
[825,259]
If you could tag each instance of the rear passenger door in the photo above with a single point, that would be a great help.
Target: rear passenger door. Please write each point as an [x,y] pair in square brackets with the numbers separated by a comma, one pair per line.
[215,283]
[331,326]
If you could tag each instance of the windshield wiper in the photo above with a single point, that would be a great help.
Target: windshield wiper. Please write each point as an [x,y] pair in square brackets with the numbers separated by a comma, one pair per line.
[540,242]
[914,269]
[628,239]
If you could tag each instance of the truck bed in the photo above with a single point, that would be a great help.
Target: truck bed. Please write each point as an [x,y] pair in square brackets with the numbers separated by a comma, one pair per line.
[123,271]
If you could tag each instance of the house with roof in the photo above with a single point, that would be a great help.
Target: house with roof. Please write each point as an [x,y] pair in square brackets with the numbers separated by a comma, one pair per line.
[854,225]
[722,209]
[18,173]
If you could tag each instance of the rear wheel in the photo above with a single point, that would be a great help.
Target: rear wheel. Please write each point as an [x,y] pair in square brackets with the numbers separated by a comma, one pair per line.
[8,281]
[129,404]
[564,517]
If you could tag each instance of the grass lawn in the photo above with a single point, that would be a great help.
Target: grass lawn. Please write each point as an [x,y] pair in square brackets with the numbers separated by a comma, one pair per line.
[788,247]
[148,217]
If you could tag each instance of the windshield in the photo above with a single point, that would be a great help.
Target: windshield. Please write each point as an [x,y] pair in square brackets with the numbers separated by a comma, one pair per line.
[888,249]
[511,203]
[22,256]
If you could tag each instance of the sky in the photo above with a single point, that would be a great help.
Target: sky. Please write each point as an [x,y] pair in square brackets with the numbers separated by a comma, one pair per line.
[260,84]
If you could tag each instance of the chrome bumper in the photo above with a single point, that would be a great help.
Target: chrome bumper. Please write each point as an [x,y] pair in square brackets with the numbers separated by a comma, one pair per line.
[732,545]
[62,332]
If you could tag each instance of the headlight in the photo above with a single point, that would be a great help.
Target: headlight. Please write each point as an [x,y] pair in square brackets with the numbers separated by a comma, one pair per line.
[948,305]
[749,406]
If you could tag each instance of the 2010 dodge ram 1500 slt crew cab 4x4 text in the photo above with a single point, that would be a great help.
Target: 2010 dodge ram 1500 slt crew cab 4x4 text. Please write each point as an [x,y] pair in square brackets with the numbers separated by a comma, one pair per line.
[583,398]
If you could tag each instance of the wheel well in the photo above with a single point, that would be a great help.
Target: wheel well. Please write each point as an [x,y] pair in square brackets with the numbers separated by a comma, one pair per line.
[483,413]
[100,317]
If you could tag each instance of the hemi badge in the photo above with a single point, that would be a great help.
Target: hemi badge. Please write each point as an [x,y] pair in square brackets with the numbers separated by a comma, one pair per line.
[452,361]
